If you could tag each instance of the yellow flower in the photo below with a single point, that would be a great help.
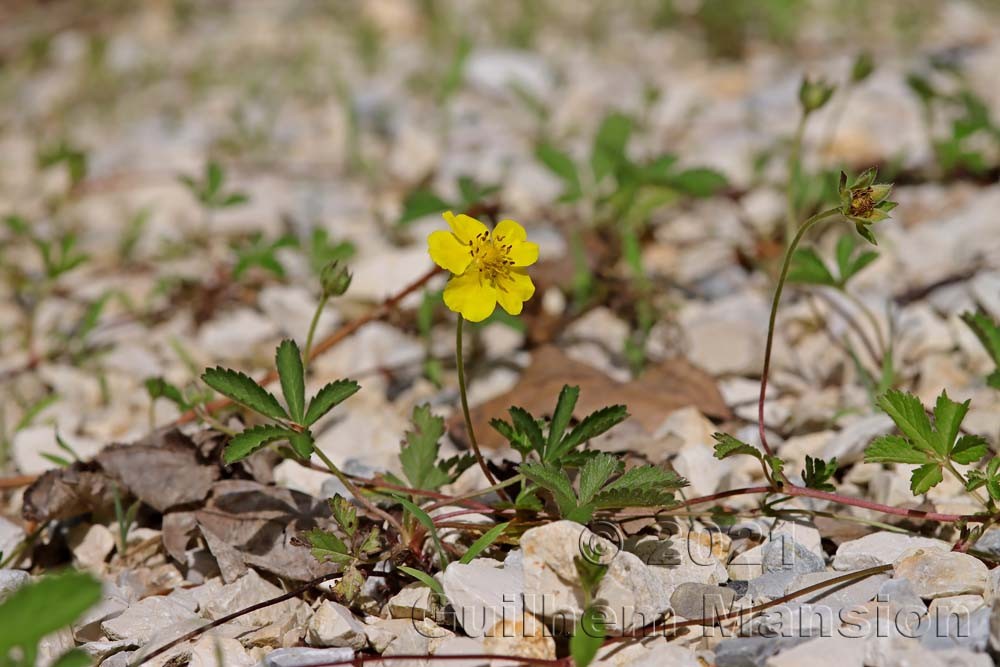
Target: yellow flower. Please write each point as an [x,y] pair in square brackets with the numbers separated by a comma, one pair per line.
[488,267]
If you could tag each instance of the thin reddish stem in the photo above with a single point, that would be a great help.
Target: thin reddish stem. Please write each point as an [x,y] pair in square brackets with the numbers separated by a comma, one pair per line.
[803,491]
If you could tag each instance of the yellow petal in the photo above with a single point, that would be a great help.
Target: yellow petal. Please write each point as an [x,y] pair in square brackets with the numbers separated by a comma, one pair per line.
[508,231]
[473,298]
[448,252]
[515,290]
[511,233]
[524,253]
[465,228]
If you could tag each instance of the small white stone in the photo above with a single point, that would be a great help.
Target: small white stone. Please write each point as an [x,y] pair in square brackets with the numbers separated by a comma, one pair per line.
[151,618]
[482,593]
[747,565]
[232,335]
[462,646]
[879,549]
[497,72]
[833,651]
[955,604]
[415,600]
[11,580]
[632,590]
[91,545]
[213,651]
[697,464]
[11,536]
[934,573]
[333,624]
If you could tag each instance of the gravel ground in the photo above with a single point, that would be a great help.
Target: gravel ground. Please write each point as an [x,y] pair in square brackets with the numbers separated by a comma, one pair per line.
[176,175]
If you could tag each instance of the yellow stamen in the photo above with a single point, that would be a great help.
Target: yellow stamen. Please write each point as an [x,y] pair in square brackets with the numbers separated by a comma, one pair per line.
[490,256]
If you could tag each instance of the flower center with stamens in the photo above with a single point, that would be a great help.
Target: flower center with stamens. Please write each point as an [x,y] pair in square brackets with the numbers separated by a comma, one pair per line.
[490,256]
[862,202]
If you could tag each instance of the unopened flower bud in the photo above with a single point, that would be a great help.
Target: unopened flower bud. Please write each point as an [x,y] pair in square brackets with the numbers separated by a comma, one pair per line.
[335,279]
[814,94]
[862,68]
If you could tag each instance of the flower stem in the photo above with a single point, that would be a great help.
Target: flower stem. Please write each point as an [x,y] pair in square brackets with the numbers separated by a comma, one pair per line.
[356,492]
[786,264]
[516,479]
[794,167]
[805,492]
[312,326]
[965,484]
[460,362]
[883,344]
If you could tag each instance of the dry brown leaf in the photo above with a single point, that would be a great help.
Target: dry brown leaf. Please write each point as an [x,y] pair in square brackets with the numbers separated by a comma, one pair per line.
[165,470]
[66,493]
[262,523]
[673,384]
[164,474]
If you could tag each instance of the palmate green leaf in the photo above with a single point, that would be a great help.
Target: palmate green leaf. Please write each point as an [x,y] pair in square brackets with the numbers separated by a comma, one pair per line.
[658,171]
[345,514]
[925,478]
[974,479]
[726,446]
[948,416]
[328,547]
[242,389]
[594,474]
[848,263]
[894,449]
[528,500]
[908,413]
[329,397]
[249,441]
[214,176]
[371,544]
[420,203]
[969,449]
[562,415]
[609,144]
[621,498]
[555,482]
[990,478]
[351,582]
[988,333]
[157,387]
[993,488]
[562,165]
[528,426]
[646,477]
[699,182]
[591,426]
[808,269]
[288,360]
[419,457]
[43,606]
[517,440]
[817,473]
[302,443]
[776,464]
